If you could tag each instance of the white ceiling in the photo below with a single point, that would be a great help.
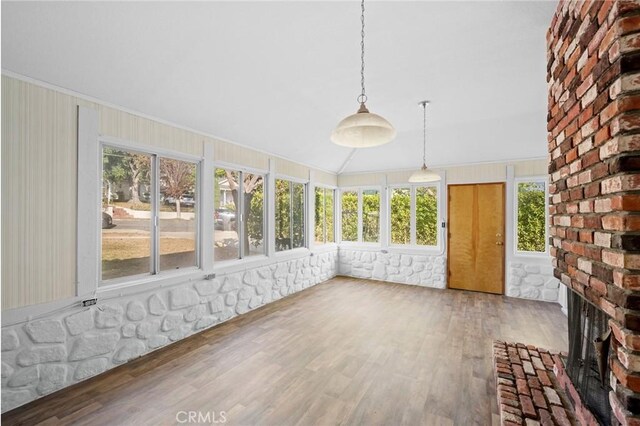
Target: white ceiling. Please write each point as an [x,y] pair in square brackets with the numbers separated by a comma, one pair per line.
[279,76]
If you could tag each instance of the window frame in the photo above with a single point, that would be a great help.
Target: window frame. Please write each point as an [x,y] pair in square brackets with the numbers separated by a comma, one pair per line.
[155,274]
[413,245]
[335,191]
[359,190]
[305,211]
[530,179]
[219,264]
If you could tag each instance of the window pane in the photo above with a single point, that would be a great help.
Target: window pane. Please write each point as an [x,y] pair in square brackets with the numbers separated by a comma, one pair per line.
[254,213]
[329,212]
[226,244]
[427,216]
[126,214]
[370,215]
[401,216]
[178,220]
[350,216]
[320,216]
[297,215]
[283,215]
[531,216]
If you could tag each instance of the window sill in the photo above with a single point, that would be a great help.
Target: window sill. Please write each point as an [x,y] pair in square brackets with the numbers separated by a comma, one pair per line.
[531,255]
[355,244]
[148,283]
[418,250]
[230,266]
[291,254]
[324,248]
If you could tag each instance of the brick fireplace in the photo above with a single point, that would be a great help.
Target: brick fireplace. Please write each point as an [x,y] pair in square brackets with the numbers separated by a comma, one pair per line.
[593,52]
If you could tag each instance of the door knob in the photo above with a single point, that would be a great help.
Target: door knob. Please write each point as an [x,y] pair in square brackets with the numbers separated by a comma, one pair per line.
[499,243]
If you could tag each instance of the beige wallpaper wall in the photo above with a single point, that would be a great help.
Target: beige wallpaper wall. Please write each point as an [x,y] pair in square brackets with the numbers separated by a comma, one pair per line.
[39,138]
[493,172]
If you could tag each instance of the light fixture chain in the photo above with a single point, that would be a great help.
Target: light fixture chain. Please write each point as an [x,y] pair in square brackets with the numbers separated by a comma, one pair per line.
[424,135]
[363,96]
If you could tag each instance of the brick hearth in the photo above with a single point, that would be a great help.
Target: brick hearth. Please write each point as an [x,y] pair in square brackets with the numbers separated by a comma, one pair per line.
[528,392]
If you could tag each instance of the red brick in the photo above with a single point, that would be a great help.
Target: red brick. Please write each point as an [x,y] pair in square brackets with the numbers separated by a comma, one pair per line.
[518,371]
[538,398]
[527,407]
[544,377]
[629,24]
[560,416]
[523,387]
[626,378]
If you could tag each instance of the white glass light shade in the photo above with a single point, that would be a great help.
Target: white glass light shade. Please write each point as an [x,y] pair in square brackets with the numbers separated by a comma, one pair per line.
[363,130]
[424,175]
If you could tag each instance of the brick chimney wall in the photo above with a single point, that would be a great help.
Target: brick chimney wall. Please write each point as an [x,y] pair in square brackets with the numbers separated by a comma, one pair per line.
[593,53]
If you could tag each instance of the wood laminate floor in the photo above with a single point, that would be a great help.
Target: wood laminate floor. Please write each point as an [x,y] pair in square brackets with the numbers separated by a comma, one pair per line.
[347,351]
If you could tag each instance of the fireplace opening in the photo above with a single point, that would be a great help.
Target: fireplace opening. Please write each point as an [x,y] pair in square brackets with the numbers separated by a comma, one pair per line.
[587,364]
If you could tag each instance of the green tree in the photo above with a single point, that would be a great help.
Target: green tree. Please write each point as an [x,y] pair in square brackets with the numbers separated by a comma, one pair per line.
[176,179]
[426,216]
[401,216]
[320,215]
[122,166]
[253,202]
[531,216]
[370,216]
[350,216]
[283,214]
[297,214]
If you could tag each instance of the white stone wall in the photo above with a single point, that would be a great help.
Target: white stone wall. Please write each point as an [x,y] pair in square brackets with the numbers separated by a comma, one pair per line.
[421,270]
[532,280]
[526,278]
[50,353]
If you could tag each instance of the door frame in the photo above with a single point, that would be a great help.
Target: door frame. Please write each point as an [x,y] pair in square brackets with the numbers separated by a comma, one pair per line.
[504,228]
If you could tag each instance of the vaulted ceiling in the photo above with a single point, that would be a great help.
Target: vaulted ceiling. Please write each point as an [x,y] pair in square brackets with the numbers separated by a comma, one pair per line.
[278,76]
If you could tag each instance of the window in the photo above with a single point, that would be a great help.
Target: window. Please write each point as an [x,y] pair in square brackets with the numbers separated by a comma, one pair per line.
[349,216]
[426,216]
[371,216]
[361,215]
[531,216]
[414,215]
[136,188]
[401,216]
[324,213]
[239,214]
[290,215]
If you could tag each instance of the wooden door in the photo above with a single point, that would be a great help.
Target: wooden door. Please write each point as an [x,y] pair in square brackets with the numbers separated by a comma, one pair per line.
[476,237]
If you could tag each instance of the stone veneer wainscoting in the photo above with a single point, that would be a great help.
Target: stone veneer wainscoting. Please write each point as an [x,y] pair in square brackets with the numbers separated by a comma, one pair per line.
[527,278]
[530,280]
[421,270]
[50,353]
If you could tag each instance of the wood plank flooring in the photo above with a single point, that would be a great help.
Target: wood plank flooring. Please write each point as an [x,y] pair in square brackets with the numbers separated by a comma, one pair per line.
[347,351]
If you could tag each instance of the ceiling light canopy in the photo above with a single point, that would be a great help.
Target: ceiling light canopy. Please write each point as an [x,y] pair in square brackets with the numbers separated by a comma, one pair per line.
[363,129]
[424,174]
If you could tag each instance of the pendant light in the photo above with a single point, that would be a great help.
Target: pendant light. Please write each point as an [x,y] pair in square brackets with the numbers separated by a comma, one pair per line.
[424,174]
[363,129]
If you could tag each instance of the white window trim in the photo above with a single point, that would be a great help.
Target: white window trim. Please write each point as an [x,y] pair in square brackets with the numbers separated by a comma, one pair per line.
[89,227]
[312,241]
[414,247]
[159,275]
[223,265]
[306,223]
[359,190]
[514,236]
[89,203]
